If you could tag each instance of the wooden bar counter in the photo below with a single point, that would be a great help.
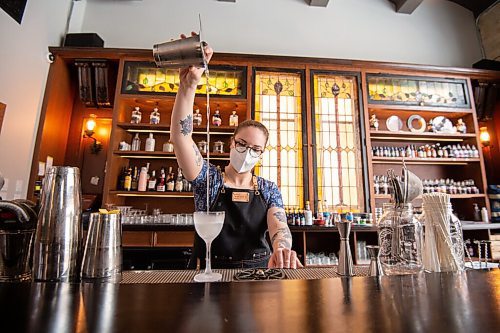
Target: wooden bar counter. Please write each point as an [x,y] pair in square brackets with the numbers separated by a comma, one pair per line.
[437,302]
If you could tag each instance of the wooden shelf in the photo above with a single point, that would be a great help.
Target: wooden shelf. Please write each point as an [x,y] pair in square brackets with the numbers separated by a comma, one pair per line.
[426,161]
[200,99]
[453,196]
[163,128]
[425,136]
[163,155]
[428,110]
[152,194]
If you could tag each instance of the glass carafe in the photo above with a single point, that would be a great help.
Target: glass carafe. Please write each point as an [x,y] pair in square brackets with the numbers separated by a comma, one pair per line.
[400,240]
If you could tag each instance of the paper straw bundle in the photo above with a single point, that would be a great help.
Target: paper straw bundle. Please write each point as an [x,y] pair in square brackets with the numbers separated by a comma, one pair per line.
[438,253]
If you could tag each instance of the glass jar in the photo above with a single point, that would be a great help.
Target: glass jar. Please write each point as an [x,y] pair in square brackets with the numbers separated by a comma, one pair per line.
[136,116]
[400,240]
[219,147]
[202,146]
[154,117]
[168,147]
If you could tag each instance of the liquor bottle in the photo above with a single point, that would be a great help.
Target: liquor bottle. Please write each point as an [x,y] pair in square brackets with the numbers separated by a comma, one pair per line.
[216,119]
[152,181]
[143,180]
[308,214]
[178,182]
[121,179]
[320,210]
[154,117]
[297,217]
[170,180]
[197,118]
[233,119]
[302,218]
[150,143]
[127,183]
[160,187]
[288,216]
[136,143]
[136,116]
[135,180]
[326,213]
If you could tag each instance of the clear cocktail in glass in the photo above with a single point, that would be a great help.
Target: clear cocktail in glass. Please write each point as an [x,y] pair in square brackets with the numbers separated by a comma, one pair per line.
[208,225]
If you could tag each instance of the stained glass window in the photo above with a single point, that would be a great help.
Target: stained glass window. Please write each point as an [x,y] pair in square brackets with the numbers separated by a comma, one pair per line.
[338,155]
[278,105]
[417,91]
[145,77]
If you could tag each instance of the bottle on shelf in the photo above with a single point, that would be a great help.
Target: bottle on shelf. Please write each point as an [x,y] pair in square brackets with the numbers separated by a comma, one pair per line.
[197,118]
[170,182]
[326,213]
[136,116]
[136,143]
[308,214]
[216,119]
[168,147]
[233,119]
[154,117]
[179,184]
[143,180]
[477,212]
[150,143]
[160,186]
[121,178]
[127,182]
[135,180]
[320,210]
[302,218]
[152,182]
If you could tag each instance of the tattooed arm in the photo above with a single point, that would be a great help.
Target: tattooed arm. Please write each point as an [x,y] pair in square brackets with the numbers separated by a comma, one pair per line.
[281,238]
[181,125]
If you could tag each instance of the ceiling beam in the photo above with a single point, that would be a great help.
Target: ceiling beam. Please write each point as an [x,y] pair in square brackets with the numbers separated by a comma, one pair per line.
[317,3]
[406,6]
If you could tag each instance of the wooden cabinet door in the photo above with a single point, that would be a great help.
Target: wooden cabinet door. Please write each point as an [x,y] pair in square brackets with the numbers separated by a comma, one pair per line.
[137,239]
[174,239]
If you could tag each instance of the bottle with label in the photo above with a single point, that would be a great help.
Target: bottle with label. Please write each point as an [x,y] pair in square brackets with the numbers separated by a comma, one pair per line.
[484,215]
[308,214]
[320,210]
[143,180]
[197,118]
[170,180]
[297,217]
[150,143]
[154,117]
[136,116]
[326,213]
[160,186]
[136,143]
[233,119]
[152,182]
[127,183]
[168,147]
[178,182]
[135,180]
[121,179]
[216,119]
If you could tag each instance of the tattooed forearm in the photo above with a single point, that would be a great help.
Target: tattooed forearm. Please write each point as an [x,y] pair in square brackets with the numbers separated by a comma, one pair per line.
[283,238]
[187,125]
[199,159]
[280,215]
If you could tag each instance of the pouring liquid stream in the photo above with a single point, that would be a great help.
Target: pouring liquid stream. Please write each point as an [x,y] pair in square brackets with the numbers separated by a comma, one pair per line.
[207,76]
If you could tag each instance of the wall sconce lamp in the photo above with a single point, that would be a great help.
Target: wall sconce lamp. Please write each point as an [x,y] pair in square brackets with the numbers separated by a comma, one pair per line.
[484,136]
[96,146]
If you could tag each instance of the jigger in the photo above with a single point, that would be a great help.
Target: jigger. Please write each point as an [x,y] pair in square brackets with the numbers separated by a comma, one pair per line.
[345,267]
[180,53]
[375,266]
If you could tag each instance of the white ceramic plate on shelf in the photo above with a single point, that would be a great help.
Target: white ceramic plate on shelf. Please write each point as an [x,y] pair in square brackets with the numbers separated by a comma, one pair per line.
[394,124]
[416,124]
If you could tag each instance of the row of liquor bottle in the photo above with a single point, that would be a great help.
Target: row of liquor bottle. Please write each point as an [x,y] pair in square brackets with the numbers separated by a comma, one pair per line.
[168,147]
[146,180]
[427,151]
[324,216]
[197,118]
[450,186]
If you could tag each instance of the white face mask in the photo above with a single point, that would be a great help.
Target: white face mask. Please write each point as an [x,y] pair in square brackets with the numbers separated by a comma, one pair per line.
[242,162]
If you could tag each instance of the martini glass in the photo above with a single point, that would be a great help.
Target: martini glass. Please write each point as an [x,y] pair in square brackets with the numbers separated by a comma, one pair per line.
[208,225]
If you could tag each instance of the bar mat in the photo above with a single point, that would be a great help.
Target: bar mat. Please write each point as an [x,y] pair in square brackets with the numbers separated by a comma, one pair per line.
[187,276]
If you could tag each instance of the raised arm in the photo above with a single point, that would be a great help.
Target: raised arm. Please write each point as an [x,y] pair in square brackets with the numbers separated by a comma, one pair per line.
[281,238]
[181,125]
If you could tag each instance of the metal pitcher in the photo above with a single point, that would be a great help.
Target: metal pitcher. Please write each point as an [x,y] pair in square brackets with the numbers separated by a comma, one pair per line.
[345,267]
[180,53]
[59,229]
[102,258]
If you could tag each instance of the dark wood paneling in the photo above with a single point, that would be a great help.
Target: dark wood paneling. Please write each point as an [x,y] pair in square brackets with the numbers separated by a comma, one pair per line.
[2,114]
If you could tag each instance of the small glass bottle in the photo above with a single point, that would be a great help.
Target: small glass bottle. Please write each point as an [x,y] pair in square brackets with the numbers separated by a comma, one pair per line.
[168,147]
[197,118]
[233,119]
[136,143]
[400,239]
[136,116]
[154,117]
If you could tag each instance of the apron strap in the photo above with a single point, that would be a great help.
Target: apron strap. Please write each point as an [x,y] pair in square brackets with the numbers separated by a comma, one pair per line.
[255,185]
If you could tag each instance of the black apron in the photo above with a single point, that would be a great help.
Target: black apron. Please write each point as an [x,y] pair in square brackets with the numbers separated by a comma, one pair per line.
[242,242]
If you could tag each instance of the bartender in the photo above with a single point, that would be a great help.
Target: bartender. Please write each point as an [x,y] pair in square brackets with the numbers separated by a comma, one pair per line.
[253,206]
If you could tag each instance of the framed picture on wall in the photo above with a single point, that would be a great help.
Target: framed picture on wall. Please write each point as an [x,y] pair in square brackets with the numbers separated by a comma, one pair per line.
[2,112]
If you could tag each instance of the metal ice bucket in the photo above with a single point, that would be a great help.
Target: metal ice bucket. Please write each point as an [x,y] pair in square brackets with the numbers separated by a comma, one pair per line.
[180,53]
[102,258]
[59,230]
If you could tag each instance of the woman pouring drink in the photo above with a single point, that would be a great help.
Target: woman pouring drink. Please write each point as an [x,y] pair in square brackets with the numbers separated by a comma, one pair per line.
[253,206]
